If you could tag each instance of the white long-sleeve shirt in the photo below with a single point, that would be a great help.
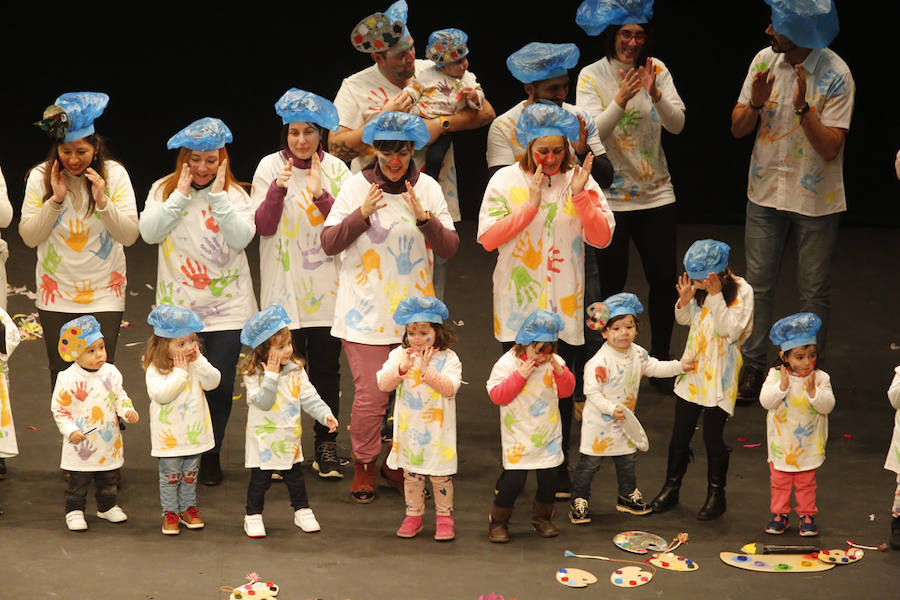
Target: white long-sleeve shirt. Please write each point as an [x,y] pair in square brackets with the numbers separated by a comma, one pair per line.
[8,446]
[892,462]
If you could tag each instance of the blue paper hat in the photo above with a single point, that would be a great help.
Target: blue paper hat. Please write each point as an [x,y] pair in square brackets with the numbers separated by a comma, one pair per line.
[705,257]
[807,23]
[298,105]
[545,118]
[421,309]
[446,46]
[170,321]
[203,134]
[594,16]
[81,109]
[796,330]
[379,31]
[540,326]
[264,325]
[76,335]
[393,125]
[623,303]
[537,61]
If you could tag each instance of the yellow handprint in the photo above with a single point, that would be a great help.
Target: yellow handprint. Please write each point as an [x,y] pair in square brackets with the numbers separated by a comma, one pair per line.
[447,453]
[779,418]
[530,256]
[83,294]
[403,422]
[167,247]
[569,206]
[167,439]
[427,287]
[117,448]
[599,446]
[395,294]
[288,231]
[791,456]
[78,236]
[371,261]
[433,415]
[548,379]
[294,387]
[518,195]
[554,417]
[514,454]
[571,304]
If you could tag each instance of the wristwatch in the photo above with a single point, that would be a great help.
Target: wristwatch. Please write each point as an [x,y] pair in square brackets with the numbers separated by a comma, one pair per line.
[445,124]
[802,111]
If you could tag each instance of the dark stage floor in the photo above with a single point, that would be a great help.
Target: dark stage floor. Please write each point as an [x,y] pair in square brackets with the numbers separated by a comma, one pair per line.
[357,555]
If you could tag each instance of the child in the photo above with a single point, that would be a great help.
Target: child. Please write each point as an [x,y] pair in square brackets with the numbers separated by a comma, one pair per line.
[444,89]
[527,383]
[9,339]
[798,397]
[893,458]
[180,425]
[611,380]
[718,305]
[87,398]
[427,375]
[277,388]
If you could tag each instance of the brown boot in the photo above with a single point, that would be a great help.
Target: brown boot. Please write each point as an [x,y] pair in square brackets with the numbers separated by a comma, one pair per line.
[392,478]
[363,487]
[498,524]
[540,519]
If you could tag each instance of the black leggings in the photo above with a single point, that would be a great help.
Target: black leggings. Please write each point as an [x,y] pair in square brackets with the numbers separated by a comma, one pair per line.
[260,481]
[222,349]
[52,322]
[511,482]
[686,416]
[323,358]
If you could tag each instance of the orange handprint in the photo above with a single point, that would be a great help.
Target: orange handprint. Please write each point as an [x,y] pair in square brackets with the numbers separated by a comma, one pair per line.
[49,289]
[514,453]
[530,256]
[371,261]
[548,379]
[427,287]
[791,456]
[313,214]
[117,447]
[433,415]
[600,446]
[83,294]
[196,273]
[97,416]
[210,222]
[80,392]
[116,280]
[167,439]
[571,304]
[294,387]
[78,236]
[64,398]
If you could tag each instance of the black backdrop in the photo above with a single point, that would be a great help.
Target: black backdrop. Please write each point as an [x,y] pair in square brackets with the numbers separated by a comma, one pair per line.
[165,64]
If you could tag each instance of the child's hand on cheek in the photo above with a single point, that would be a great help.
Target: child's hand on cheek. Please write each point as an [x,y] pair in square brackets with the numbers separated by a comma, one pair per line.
[557,367]
[131,416]
[180,361]
[785,378]
[273,364]
[194,352]
[525,369]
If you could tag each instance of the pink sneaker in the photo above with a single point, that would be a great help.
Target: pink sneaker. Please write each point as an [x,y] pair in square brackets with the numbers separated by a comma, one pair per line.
[444,531]
[410,527]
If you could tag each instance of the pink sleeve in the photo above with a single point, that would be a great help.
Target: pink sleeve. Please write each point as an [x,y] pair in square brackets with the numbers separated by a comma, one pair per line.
[335,238]
[324,203]
[565,383]
[508,227]
[593,218]
[444,242]
[504,393]
[440,383]
[268,214]
[389,380]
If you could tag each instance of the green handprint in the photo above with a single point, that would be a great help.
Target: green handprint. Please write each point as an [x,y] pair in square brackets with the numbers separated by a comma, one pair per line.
[335,175]
[193,432]
[510,419]
[163,294]
[164,411]
[526,288]
[266,429]
[282,255]
[307,299]
[775,450]
[501,210]
[280,447]
[414,459]
[552,209]
[630,118]
[218,285]
[52,260]
[537,438]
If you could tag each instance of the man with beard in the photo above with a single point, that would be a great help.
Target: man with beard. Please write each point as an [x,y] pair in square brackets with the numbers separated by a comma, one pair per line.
[801,94]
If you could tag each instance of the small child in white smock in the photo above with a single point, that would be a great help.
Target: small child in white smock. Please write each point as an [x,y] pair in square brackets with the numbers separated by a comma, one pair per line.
[892,462]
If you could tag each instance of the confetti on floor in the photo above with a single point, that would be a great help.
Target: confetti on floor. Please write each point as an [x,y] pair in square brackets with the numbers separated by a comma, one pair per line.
[29,326]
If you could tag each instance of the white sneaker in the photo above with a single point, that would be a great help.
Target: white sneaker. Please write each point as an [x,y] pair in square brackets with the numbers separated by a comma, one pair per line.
[253,526]
[113,515]
[75,520]
[306,520]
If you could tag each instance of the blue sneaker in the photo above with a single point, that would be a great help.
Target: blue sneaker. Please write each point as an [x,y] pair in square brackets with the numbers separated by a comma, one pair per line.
[777,525]
[808,526]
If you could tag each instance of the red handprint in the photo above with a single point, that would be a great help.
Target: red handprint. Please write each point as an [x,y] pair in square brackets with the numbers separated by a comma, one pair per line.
[210,222]
[49,289]
[80,392]
[196,273]
[115,283]
[552,258]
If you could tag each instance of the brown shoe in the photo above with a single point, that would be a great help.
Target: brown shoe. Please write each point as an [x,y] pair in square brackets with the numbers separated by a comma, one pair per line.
[392,478]
[540,519]
[363,487]
[170,524]
[191,518]
[498,524]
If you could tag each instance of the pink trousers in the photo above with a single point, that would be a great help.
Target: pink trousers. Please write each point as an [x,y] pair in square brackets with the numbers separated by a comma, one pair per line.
[369,402]
[804,485]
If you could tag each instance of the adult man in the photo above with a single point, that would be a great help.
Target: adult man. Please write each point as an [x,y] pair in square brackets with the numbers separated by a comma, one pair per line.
[801,93]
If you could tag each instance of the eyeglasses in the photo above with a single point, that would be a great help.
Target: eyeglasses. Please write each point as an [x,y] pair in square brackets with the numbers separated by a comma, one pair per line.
[627,36]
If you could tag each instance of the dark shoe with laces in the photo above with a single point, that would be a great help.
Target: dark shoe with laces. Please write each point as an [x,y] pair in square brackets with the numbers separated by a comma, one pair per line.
[633,504]
[749,385]
[326,462]
[777,525]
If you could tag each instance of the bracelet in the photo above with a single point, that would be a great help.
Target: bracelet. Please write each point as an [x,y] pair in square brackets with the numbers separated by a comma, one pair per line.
[802,111]
[425,222]
[754,107]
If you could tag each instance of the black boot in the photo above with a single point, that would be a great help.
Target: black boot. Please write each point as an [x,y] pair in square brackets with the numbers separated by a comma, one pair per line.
[714,506]
[210,469]
[668,496]
[895,533]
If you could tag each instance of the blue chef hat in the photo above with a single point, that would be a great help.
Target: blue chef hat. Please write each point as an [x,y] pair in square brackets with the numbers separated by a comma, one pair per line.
[379,31]
[73,114]
[421,309]
[542,119]
[174,321]
[76,335]
[446,46]
[623,303]
[393,125]
[537,61]
[807,23]
[594,16]
[264,325]
[299,105]
[796,330]
[207,133]
[705,257]
[540,326]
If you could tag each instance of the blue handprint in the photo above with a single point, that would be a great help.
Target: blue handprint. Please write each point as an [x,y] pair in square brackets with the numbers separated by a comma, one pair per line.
[422,438]
[289,411]
[414,401]
[537,408]
[438,363]
[553,446]
[106,434]
[803,431]
[606,418]
[577,248]
[354,316]
[265,455]
[809,181]
[404,262]
[106,244]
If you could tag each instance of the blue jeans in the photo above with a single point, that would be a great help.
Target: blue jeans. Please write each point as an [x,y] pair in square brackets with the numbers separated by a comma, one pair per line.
[178,482]
[765,234]
[626,474]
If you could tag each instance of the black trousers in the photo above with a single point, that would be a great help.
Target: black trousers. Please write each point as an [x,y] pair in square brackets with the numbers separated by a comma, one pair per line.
[322,352]
[511,482]
[686,416]
[222,349]
[52,322]
[260,481]
[106,484]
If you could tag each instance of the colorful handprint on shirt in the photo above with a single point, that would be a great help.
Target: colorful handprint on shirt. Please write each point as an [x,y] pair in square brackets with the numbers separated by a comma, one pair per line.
[402,256]
[78,235]
[371,261]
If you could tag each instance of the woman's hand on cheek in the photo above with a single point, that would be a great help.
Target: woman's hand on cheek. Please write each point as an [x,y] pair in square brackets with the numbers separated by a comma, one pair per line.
[219,182]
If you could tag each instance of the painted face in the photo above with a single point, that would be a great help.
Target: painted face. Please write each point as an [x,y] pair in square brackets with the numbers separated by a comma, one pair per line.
[779,42]
[303,139]
[457,68]
[204,164]
[182,345]
[620,334]
[76,156]
[630,39]
[555,89]
[549,151]
[540,355]
[94,356]
[394,164]
[398,63]
[282,346]
[420,336]
[801,360]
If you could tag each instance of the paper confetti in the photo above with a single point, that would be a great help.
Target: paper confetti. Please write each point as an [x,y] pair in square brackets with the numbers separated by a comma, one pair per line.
[130,293]
[459,323]
[847,436]
[872,517]
[895,346]
[743,440]
[29,326]
[32,427]
[132,344]
[756,445]
[149,287]
[125,324]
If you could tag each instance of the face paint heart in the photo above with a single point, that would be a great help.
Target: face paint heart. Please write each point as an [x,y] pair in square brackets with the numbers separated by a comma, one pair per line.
[628,577]
[575,578]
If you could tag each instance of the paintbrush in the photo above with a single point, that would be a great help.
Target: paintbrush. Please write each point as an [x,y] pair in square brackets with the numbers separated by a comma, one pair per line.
[755,548]
[570,554]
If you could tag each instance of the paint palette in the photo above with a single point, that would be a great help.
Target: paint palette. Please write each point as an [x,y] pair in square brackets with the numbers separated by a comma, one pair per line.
[640,542]
[633,430]
[629,577]
[575,578]
[775,563]
[841,557]
[672,562]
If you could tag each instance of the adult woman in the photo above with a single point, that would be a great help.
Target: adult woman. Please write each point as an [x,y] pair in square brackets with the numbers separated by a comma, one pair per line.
[631,97]
[79,211]
[202,221]
[538,213]
[387,223]
[293,191]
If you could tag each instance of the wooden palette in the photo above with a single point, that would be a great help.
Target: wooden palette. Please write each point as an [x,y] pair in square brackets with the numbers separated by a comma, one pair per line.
[672,562]
[639,542]
[575,578]
[841,557]
[629,577]
[775,563]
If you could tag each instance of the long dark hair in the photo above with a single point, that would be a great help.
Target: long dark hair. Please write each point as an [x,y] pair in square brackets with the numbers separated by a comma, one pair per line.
[729,288]
[101,155]
[388,146]
[608,42]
